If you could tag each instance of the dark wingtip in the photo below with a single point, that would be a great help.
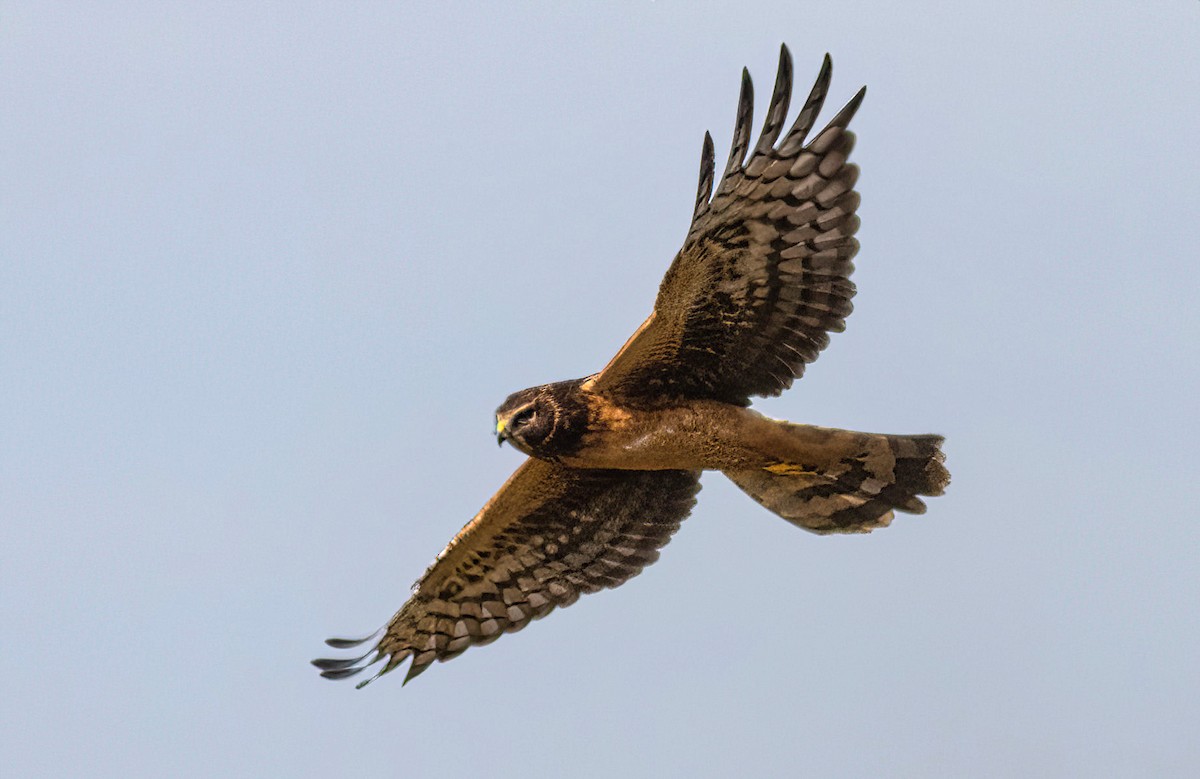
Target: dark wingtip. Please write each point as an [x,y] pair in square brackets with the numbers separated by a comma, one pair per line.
[825,74]
[777,109]
[414,671]
[349,643]
[842,120]
[373,677]
[340,668]
[707,171]
[344,668]
[333,664]
[741,125]
[807,117]
[341,673]
[847,113]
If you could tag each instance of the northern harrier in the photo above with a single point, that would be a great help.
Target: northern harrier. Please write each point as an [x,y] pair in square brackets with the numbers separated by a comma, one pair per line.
[615,458]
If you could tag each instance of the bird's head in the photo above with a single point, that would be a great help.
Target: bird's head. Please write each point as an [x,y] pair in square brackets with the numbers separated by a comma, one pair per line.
[525,419]
[545,421]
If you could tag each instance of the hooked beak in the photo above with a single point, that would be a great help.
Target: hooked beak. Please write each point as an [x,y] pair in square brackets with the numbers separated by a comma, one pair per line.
[501,433]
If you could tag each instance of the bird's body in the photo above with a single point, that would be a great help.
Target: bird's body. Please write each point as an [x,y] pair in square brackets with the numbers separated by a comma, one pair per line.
[592,431]
[615,458]
[700,435]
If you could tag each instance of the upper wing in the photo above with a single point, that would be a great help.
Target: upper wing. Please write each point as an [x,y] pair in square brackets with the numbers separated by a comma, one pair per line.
[549,535]
[763,275]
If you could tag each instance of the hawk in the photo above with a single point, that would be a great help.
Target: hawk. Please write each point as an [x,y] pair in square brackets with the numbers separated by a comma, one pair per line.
[614,459]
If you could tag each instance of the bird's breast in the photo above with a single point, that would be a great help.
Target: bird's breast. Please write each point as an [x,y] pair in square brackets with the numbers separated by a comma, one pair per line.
[695,435]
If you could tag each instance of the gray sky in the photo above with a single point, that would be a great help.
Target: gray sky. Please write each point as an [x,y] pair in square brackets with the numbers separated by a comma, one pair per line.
[266,270]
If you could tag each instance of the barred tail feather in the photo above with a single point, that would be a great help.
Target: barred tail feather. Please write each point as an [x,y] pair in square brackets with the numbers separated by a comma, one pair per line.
[857,488]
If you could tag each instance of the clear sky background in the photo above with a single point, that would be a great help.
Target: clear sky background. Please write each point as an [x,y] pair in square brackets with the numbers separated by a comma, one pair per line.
[267,269]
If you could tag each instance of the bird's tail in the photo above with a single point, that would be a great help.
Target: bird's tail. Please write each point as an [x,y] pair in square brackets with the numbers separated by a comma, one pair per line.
[839,481]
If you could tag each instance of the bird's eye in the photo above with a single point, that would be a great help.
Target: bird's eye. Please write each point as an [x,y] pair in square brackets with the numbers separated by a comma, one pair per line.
[521,418]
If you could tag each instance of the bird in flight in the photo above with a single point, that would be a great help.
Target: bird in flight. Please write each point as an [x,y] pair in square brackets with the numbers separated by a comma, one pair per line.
[614,459]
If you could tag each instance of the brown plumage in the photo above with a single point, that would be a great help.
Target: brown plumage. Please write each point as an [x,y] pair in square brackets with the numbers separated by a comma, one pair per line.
[615,458]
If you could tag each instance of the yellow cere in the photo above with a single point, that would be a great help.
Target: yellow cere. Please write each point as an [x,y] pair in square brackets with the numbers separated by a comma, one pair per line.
[500,423]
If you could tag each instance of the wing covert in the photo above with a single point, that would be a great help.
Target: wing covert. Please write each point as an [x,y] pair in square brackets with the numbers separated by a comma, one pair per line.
[549,535]
[764,273]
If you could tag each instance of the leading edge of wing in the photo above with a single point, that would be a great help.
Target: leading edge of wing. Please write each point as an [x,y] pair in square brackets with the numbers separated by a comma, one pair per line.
[659,335]
[549,535]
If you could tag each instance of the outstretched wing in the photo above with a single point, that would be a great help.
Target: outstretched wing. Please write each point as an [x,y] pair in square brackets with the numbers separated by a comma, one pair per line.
[549,535]
[763,275]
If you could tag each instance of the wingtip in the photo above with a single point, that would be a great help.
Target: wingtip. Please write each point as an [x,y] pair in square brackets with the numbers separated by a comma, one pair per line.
[337,664]
[741,125]
[794,140]
[746,94]
[414,671]
[848,111]
[778,107]
[855,101]
[707,171]
[349,643]
[784,72]
[329,664]
[707,156]
[372,678]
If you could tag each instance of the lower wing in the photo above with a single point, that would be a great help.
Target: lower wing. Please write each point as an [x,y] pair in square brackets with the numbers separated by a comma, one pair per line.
[549,535]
